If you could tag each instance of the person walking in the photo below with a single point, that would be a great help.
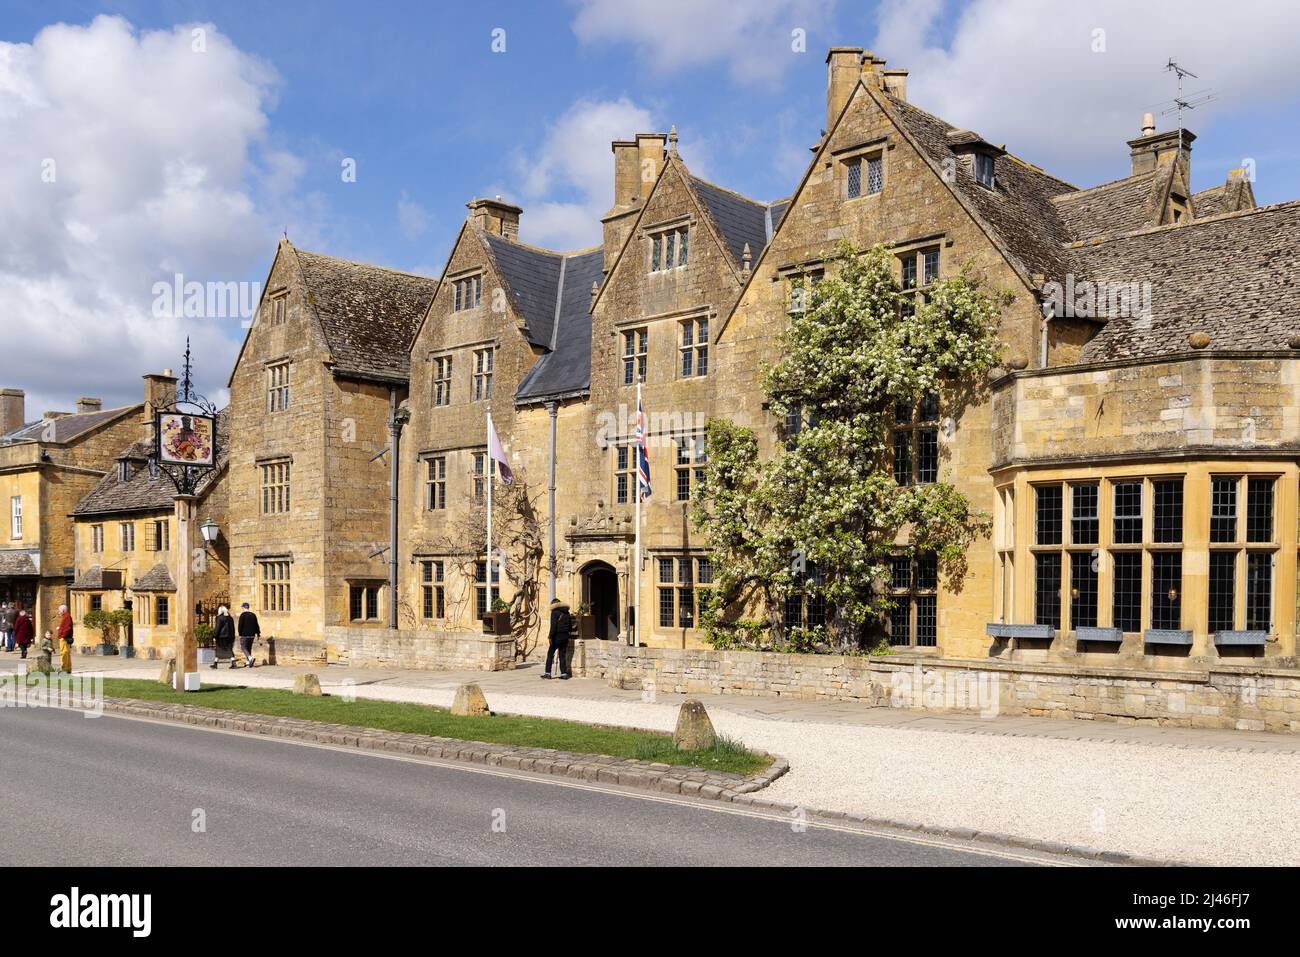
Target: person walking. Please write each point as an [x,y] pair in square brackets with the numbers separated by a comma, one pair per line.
[223,635]
[561,626]
[24,630]
[7,616]
[249,631]
[65,640]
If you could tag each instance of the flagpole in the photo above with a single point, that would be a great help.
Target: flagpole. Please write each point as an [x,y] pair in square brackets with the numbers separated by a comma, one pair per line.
[487,470]
[636,562]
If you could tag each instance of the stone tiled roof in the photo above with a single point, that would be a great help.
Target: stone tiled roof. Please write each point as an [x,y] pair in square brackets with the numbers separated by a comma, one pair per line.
[157,578]
[1112,208]
[1018,212]
[566,369]
[66,428]
[368,314]
[143,491]
[17,564]
[1235,278]
[1230,197]
[532,278]
[92,579]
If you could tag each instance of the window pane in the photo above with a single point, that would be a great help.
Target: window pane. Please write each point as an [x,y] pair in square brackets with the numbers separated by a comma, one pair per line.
[1259,591]
[1049,514]
[1083,518]
[930,266]
[1259,510]
[928,408]
[1169,511]
[1047,590]
[1128,513]
[900,622]
[1083,591]
[900,573]
[926,621]
[681,248]
[1223,510]
[1166,590]
[927,456]
[909,272]
[1223,578]
[875,175]
[927,573]
[665,608]
[655,252]
[1126,608]
[903,458]
[855,179]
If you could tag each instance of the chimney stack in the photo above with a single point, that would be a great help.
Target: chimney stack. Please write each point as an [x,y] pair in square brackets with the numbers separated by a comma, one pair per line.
[1152,150]
[895,82]
[89,405]
[627,172]
[843,67]
[494,216]
[650,151]
[13,409]
[159,393]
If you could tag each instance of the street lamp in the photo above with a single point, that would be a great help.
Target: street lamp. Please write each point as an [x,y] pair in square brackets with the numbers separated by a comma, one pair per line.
[210,531]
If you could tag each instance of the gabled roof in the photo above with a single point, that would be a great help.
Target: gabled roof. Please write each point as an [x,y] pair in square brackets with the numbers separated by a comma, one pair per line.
[92,579]
[1235,278]
[1236,194]
[1112,208]
[368,314]
[66,428]
[532,278]
[144,491]
[157,578]
[566,369]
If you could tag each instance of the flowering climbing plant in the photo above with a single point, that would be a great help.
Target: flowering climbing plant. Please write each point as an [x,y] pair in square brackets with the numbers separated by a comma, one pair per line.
[817,523]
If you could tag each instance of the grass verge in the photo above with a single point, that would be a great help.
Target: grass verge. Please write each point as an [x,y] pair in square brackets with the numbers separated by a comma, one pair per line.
[525,732]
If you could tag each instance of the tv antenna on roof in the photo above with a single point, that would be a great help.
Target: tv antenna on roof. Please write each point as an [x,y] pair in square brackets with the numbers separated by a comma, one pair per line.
[1183,101]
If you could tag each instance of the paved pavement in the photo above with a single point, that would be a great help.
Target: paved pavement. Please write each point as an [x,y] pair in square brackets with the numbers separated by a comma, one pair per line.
[116,791]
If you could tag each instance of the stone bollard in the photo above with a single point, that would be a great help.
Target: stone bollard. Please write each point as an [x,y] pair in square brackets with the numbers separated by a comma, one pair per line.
[44,664]
[168,674]
[694,729]
[307,684]
[469,701]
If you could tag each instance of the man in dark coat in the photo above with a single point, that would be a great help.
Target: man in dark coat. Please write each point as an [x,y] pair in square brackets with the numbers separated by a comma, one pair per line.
[24,630]
[561,626]
[223,635]
[249,631]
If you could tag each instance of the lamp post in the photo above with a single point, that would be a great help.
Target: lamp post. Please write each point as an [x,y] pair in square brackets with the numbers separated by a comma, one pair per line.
[185,448]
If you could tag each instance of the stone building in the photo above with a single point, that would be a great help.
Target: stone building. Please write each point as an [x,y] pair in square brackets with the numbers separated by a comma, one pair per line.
[126,553]
[313,392]
[46,467]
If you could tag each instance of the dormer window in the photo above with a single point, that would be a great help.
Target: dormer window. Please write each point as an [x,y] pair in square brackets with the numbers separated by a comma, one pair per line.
[984,170]
[124,471]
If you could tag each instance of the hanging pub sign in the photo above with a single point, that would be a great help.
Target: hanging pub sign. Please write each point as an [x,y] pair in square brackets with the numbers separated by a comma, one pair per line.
[186,439]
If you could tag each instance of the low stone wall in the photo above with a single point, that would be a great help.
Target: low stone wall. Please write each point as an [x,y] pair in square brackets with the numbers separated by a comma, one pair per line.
[1239,697]
[420,650]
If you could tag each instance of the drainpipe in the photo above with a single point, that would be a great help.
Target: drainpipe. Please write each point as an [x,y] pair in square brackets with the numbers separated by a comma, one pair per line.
[551,410]
[395,429]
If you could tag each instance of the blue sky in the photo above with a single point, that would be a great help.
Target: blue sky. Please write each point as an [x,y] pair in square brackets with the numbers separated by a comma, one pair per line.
[433,116]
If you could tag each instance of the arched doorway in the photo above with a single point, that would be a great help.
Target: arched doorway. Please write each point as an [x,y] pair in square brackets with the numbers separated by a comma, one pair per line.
[600,591]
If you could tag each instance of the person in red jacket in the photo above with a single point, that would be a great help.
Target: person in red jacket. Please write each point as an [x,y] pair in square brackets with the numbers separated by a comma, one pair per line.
[65,640]
[24,630]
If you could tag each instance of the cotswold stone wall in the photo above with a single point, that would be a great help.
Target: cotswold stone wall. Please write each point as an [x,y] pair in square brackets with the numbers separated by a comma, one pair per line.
[421,650]
[1246,699]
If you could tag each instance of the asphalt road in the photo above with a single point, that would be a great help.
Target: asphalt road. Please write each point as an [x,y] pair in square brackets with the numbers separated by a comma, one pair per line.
[114,791]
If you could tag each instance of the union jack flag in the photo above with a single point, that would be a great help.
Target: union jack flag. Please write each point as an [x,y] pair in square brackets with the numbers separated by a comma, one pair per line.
[642,455]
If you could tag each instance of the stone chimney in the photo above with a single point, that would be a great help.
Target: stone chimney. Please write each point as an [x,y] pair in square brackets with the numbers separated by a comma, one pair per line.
[89,405]
[650,157]
[159,393]
[843,67]
[627,173]
[13,409]
[1152,149]
[895,83]
[494,216]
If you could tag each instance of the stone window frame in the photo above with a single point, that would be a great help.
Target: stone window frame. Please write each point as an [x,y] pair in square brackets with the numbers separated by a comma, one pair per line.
[688,468]
[689,575]
[278,378]
[667,247]
[435,482]
[797,609]
[126,536]
[482,600]
[16,517]
[918,429]
[855,169]
[635,355]
[162,611]
[802,284]
[480,464]
[917,598]
[276,485]
[159,537]
[467,291]
[1004,548]
[95,601]
[484,367]
[278,306]
[1245,546]
[143,612]
[433,588]
[624,463]
[923,274]
[275,584]
[97,538]
[367,596]
[693,347]
[440,367]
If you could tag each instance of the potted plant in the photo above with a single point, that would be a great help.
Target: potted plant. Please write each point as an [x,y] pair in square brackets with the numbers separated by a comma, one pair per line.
[586,622]
[497,621]
[109,625]
[204,638]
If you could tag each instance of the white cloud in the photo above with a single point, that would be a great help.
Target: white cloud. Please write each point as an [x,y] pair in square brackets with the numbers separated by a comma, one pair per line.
[755,39]
[568,184]
[412,218]
[1025,73]
[160,155]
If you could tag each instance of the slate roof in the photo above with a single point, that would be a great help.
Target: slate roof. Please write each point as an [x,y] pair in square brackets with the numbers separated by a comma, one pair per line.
[739,219]
[368,314]
[1019,211]
[566,369]
[66,428]
[143,492]
[1235,278]
[532,278]
[157,578]
[16,564]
